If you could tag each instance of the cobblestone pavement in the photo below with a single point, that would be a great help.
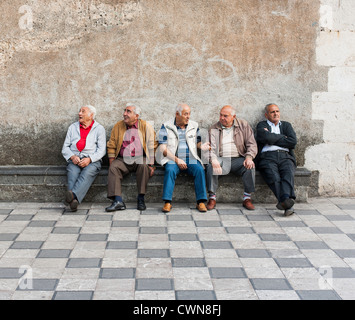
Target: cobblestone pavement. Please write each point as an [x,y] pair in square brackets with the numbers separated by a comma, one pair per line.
[48,252]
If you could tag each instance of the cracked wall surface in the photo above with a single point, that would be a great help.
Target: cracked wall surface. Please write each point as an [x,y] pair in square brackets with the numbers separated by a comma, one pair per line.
[56,56]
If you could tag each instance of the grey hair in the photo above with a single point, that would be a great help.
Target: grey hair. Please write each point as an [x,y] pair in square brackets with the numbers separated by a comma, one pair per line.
[92,110]
[137,110]
[269,105]
[180,107]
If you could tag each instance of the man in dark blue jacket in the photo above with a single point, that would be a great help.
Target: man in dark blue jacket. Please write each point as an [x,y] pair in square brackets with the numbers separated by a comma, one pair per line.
[276,160]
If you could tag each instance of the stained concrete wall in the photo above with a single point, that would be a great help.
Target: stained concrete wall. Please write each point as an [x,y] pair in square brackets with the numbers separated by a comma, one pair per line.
[56,56]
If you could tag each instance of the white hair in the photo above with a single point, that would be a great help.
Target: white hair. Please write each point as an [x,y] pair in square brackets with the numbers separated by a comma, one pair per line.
[137,110]
[179,108]
[92,110]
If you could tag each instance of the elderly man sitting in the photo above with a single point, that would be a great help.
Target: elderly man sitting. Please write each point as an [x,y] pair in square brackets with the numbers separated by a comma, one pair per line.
[179,139]
[83,149]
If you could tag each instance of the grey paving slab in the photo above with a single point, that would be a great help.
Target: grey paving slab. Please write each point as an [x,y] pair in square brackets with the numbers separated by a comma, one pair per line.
[42,224]
[207,223]
[274,237]
[19,217]
[259,217]
[240,230]
[5,211]
[293,262]
[8,236]
[195,295]
[154,284]
[216,245]
[99,217]
[311,245]
[117,273]
[11,273]
[183,237]
[93,237]
[54,253]
[73,295]
[27,245]
[122,245]
[153,230]
[318,295]
[230,211]
[188,262]
[253,253]
[66,230]
[345,253]
[125,223]
[153,253]
[84,263]
[270,284]
[222,272]
[37,284]
[326,230]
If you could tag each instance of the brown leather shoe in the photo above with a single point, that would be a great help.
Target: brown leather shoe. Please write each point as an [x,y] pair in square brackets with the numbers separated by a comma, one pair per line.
[211,204]
[167,207]
[201,207]
[247,204]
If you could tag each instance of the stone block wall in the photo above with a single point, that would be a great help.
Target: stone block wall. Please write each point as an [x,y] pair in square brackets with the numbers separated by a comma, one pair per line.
[334,158]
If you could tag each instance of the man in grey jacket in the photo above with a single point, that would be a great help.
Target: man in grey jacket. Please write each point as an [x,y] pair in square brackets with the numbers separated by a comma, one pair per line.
[233,148]
[83,149]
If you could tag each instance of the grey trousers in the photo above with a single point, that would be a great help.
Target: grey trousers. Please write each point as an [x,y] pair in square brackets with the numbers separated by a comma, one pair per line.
[80,180]
[234,165]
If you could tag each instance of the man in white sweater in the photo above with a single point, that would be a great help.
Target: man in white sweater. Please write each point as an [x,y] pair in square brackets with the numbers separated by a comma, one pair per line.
[83,149]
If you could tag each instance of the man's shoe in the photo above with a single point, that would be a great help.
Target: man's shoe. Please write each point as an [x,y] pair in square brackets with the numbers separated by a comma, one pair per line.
[289,212]
[211,204]
[201,207]
[116,205]
[287,204]
[141,204]
[247,204]
[74,205]
[69,197]
[167,207]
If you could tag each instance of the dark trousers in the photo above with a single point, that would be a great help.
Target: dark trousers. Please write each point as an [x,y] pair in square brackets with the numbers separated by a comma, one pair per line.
[118,169]
[278,170]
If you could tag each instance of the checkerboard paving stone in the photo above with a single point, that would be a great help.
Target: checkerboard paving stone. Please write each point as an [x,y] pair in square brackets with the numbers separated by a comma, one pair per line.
[49,252]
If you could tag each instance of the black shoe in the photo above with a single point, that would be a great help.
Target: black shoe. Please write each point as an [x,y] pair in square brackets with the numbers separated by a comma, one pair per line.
[116,205]
[141,204]
[74,205]
[287,204]
[69,197]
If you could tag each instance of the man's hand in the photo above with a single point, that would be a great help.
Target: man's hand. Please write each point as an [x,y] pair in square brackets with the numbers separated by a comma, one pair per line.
[217,169]
[249,163]
[151,171]
[181,163]
[84,162]
[75,159]
[205,147]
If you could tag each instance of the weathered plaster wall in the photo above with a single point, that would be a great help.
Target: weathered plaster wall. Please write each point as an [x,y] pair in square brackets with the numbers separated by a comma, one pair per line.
[334,158]
[154,53]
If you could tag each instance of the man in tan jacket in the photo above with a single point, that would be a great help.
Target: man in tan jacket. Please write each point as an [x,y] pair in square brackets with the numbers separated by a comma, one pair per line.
[233,148]
[130,149]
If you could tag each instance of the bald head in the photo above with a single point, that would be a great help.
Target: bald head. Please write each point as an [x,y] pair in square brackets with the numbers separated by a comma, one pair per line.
[227,116]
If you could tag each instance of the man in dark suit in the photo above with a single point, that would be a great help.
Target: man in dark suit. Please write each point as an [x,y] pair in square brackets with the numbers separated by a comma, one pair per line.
[276,160]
